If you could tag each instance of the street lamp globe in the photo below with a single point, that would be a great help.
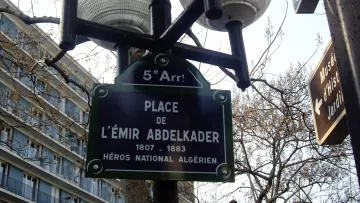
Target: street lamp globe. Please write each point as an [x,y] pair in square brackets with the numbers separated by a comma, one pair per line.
[244,11]
[132,15]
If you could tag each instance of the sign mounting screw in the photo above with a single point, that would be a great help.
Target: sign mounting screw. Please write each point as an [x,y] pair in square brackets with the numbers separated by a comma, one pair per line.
[224,171]
[220,97]
[102,92]
[161,60]
[94,166]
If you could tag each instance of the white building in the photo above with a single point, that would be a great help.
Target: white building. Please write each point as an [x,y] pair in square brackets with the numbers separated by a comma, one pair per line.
[42,123]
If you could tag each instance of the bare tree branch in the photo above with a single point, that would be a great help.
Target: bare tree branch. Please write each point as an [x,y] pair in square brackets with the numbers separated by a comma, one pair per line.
[30,20]
[273,40]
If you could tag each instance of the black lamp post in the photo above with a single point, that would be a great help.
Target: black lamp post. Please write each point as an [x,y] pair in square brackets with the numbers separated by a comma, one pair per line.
[237,14]
[115,23]
[122,24]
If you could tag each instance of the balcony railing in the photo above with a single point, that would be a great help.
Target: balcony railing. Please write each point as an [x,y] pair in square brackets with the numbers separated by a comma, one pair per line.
[32,154]
[27,191]
[4,138]
[42,126]
[104,193]
[53,167]
[40,91]
[90,186]
[24,114]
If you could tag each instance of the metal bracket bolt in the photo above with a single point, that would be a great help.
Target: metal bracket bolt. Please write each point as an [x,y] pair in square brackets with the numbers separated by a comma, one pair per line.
[102,92]
[224,171]
[220,97]
[162,60]
[96,167]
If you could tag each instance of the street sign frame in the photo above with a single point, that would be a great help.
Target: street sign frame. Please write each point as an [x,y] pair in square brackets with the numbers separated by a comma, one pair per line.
[305,6]
[125,86]
[337,131]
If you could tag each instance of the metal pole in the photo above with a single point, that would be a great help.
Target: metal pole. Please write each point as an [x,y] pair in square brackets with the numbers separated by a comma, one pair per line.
[160,19]
[165,191]
[213,9]
[68,25]
[238,49]
[160,16]
[343,19]
[181,24]
[122,58]
[143,41]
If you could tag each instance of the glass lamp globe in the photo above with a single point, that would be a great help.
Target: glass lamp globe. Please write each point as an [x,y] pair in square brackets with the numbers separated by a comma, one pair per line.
[245,11]
[132,15]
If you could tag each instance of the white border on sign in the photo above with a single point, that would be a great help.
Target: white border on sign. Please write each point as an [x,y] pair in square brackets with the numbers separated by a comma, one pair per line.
[201,85]
[223,108]
[161,171]
[298,6]
[343,113]
[318,64]
[157,171]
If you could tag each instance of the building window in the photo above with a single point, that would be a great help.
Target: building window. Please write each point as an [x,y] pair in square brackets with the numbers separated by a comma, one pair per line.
[53,97]
[84,118]
[20,73]
[97,186]
[69,170]
[3,171]
[33,152]
[24,109]
[59,131]
[40,86]
[56,164]
[75,146]
[8,27]
[24,77]
[49,127]
[72,141]
[93,185]
[22,40]
[55,192]
[114,195]
[5,136]
[71,200]
[10,100]
[72,110]
[83,148]
[35,52]
[6,62]
[37,119]
[85,95]
[30,185]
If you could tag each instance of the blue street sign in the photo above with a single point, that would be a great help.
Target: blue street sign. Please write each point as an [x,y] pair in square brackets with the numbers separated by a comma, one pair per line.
[161,120]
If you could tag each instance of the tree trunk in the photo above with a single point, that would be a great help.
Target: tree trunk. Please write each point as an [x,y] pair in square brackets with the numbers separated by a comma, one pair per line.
[135,191]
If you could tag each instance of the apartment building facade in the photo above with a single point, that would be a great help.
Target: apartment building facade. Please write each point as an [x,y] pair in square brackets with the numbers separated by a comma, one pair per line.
[43,123]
